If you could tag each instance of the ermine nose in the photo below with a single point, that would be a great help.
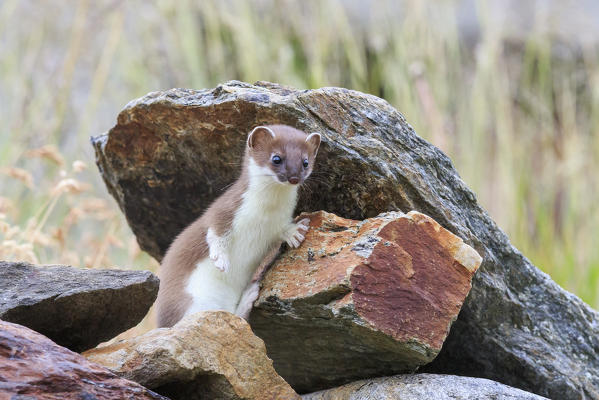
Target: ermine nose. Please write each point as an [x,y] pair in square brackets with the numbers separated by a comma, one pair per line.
[294,180]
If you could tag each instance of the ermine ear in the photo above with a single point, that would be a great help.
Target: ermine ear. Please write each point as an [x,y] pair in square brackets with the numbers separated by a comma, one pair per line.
[258,134]
[313,140]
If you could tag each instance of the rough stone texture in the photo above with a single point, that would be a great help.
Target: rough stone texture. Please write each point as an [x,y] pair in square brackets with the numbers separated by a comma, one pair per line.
[423,386]
[208,355]
[34,367]
[76,307]
[172,152]
[361,299]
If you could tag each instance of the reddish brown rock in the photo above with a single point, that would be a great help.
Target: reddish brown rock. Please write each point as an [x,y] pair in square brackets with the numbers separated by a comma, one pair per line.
[34,367]
[362,298]
[208,355]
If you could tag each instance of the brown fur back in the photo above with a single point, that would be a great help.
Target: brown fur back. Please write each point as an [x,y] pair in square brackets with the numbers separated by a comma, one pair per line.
[188,248]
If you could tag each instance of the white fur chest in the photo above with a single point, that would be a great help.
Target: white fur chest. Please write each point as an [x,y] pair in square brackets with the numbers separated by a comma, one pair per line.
[265,212]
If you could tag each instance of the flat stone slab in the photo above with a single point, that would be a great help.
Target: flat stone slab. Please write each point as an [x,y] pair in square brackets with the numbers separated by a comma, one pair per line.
[362,299]
[208,355]
[423,386]
[78,308]
[171,153]
[34,367]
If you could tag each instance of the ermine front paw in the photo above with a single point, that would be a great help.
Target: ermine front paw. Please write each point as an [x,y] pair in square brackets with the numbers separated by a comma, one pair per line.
[222,263]
[216,251]
[295,235]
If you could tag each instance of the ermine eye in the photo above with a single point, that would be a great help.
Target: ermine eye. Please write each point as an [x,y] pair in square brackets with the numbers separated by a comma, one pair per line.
[306,164]
[276,160]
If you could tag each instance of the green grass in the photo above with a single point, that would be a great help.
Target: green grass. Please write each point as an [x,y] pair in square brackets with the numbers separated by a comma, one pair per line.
[520,123]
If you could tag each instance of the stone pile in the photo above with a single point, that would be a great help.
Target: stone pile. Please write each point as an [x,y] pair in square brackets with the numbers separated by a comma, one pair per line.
[387,282]
[356,299]
[172,152]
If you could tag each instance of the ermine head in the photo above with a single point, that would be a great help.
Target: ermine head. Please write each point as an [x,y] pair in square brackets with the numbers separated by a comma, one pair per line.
[283,152]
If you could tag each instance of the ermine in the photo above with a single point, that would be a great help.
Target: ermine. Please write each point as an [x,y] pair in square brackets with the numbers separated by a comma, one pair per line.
[209,266]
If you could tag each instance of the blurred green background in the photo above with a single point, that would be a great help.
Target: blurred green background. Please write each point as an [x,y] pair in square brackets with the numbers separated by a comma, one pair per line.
[509,90]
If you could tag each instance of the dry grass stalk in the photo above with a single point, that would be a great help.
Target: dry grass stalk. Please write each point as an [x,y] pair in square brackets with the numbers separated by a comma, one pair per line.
[48,152]
[19,174]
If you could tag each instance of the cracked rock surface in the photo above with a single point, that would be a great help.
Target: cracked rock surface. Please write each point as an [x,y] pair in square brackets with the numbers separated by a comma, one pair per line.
[208,355]
[362,298]
[172,152]
[75,307]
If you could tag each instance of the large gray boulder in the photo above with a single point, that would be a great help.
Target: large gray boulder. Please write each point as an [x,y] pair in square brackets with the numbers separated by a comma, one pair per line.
[77,308]
[171,153]
[423,386]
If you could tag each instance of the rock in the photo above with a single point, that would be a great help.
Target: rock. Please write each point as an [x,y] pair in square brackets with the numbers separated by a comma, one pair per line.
[211,355]
[362,299]
[423,386]
[171,153]
[34,367]
[75,307]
